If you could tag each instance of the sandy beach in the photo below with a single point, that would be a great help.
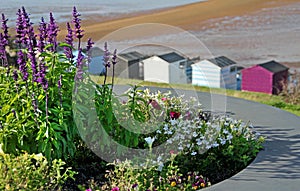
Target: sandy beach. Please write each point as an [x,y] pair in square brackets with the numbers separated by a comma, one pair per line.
[248,31]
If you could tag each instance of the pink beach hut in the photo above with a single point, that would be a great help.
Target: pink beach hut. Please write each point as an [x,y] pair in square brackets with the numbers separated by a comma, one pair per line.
[265,78]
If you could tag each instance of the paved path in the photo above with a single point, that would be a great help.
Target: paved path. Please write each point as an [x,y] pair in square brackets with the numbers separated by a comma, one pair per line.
[277,167]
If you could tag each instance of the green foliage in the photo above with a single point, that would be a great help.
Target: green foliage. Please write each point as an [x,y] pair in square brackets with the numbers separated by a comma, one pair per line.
[32,172]
[127,176]
[48,128]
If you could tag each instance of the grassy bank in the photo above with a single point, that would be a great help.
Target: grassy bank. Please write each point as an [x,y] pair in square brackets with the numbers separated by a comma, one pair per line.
[272,100]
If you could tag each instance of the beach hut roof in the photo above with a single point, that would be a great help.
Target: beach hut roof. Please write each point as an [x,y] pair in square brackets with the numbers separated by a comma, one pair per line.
[273,66]
[130,56]
[171,57]
[222,61]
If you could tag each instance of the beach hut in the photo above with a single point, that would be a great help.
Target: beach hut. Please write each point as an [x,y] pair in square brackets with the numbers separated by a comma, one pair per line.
[167,68]
[219,72]
[96,66]
[129,65]
[266,78]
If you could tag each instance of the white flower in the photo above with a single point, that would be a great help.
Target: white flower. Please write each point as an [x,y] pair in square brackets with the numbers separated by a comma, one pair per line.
[169,141]
[193,153]
[180,148]
[215,145]
[166,128]
[195,134]
[150,140]
[160,166]
[208,146]
[158,132]
[173,122]
[229,137]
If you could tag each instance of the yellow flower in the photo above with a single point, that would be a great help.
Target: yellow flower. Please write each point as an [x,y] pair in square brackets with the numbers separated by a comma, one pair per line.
[202,185]
[7,187]
[173,183]
[189,178]
[195,187]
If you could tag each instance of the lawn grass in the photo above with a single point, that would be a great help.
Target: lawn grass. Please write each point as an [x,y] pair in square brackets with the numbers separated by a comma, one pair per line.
[272,100]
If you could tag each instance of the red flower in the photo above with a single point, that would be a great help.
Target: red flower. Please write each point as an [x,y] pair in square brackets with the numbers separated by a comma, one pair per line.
[174,115]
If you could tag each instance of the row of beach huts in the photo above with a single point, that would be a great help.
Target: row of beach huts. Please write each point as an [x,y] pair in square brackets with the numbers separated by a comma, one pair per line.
[218,72]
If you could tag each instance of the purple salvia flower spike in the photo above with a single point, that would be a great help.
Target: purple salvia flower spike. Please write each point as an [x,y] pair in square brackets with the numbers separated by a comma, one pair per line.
[19,27]
[59,83]
[31,56]
[42,35]
[76,21]
[69,40]
[114,57]
[106,56]
[90,44]
[15,75]
[52,32]
[22,65]
[79,66]
[5,29]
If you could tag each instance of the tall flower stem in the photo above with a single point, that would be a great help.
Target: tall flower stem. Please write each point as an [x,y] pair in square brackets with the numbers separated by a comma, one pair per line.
[47,114]
[114,62]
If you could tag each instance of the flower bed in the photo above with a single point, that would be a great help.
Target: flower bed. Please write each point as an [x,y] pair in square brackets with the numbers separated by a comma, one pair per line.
[144,140]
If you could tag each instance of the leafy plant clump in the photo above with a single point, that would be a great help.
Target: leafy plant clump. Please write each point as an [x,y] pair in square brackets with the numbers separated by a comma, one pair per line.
[32,172]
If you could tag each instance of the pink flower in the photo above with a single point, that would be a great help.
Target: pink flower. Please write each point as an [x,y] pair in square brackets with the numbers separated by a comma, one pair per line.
[164,99]
[115,189]
[174,115]
[88,189]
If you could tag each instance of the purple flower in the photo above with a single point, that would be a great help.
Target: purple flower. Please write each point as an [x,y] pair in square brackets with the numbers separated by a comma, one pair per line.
[59,82]
[135,185]
[5,29]
[76,20]
[2,47]
[79,66]
[88,189]
[24,23]
[42,35]
[106,56]
[42,76]
[114,57]
[32,36]
[31,56]
[15,75]
[19,28]
[22,65]
[52,32]
[69,40]
[90,44]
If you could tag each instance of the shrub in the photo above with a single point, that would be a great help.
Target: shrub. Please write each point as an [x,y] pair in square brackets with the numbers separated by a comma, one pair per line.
[32,172]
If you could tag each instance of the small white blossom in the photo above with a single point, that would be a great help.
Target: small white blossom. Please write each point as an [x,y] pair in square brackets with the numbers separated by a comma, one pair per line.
[195,134]
[193,153]
[150,140]
[173,122]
